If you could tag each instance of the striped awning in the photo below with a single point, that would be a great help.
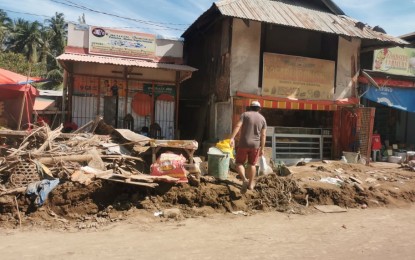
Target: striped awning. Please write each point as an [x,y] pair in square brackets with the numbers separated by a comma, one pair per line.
[296,104]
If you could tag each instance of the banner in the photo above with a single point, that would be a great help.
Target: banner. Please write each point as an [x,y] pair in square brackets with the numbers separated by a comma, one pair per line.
[297,77]
[160,89]
[398,61]
[121,43]
[399,98]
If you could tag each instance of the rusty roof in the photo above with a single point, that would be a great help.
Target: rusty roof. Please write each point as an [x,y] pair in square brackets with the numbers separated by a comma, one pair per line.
[122,61]
[298,14]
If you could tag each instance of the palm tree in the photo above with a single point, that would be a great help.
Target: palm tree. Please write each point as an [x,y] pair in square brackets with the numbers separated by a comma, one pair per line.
[26,38]
[58,26]
[5,26]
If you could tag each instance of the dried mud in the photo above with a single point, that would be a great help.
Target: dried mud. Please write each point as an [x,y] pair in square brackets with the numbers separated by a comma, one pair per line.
[73,205]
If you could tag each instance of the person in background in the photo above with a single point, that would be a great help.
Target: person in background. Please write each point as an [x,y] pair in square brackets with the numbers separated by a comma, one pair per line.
[106,87]
[253,128]
[114,88]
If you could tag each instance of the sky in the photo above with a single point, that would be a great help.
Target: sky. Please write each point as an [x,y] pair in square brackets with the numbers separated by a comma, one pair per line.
[170,18]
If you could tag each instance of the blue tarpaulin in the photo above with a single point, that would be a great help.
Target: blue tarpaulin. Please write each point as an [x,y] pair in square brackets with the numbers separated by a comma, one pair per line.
[399,98]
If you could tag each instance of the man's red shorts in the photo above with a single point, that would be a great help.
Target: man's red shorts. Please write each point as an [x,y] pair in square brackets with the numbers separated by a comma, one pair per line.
[251,154]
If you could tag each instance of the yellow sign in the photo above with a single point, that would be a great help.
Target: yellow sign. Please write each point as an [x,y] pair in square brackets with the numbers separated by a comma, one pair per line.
[121,43]
[398,61]
[297,77]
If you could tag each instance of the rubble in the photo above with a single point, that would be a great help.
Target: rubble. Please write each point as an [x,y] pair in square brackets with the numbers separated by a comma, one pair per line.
[104,177]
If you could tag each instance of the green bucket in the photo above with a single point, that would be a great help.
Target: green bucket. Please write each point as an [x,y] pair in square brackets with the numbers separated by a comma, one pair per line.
[218,163]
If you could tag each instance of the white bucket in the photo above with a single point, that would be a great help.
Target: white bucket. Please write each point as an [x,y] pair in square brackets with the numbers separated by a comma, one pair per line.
[394,159]
[351,157]
[410,155]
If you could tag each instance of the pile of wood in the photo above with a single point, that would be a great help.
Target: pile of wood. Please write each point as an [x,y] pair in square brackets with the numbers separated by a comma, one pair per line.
[82,156]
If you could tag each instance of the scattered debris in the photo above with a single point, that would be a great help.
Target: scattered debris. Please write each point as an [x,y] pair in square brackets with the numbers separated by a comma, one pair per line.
[330,208]
[335,181]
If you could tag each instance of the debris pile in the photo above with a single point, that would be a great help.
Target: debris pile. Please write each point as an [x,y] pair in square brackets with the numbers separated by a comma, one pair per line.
[99,175]
[33,163]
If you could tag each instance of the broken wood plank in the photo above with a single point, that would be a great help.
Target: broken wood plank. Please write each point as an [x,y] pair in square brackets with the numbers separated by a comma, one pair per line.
[113,177]
[122,157]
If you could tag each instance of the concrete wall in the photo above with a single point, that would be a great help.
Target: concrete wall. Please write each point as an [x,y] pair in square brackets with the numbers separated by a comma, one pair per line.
[347,66]
[78,35]
[245,57]
[223,120]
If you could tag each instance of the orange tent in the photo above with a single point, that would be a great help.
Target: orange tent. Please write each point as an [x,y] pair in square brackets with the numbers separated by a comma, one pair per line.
[17,97]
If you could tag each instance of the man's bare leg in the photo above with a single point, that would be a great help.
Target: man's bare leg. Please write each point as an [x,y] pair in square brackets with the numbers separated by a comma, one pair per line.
[251,172]
[241,172]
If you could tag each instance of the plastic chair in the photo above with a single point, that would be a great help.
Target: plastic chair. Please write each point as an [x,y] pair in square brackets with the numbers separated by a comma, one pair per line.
[155,131]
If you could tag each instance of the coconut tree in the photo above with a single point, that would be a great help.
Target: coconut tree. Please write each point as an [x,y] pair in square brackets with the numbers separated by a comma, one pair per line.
[58,26]
[5,26]
[26,38]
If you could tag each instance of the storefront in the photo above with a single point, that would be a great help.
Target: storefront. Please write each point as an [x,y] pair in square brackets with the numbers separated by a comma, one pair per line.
[389,86]
[131,79]
[306,118]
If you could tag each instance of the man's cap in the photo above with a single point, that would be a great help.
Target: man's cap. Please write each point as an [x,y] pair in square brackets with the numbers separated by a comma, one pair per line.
[255,104]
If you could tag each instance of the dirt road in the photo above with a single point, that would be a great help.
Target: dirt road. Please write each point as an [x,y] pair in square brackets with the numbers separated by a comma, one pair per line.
[358,234]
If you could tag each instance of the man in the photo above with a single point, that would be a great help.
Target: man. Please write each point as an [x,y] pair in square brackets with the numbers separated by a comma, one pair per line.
[253,128]
[114,89]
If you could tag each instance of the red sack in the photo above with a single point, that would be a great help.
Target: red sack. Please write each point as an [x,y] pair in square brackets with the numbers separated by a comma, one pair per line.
[170,165]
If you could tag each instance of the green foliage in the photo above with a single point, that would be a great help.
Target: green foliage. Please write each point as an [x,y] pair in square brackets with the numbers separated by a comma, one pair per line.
[18,63]
[32,47]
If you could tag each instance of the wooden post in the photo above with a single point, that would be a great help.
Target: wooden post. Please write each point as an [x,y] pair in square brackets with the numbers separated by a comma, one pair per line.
[153,100]
[126,91]
[19,123]
[176,112]
[64,96]
[99,97]
[70,93]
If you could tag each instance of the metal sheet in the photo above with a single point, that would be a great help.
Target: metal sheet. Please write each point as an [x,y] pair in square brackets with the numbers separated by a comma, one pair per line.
[282,13]
[122,61]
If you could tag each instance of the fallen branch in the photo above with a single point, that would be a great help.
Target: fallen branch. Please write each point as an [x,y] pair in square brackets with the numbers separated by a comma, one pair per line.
[72,158]
[18,212]
[13,191]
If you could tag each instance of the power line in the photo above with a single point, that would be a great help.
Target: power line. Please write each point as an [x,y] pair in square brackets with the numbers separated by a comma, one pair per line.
[156,24]
[124,27]
[10,11]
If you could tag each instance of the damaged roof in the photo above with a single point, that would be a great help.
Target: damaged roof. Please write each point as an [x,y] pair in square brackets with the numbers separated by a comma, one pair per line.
[299,14]
[122,61]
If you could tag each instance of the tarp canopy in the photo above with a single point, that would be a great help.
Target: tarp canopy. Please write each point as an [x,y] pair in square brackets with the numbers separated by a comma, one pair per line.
[399,98]
[10,78]
[11,84]
[17,97]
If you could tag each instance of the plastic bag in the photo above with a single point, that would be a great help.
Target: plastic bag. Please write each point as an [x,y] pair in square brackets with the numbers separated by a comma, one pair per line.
[225,146]
[170,164]
[264,168]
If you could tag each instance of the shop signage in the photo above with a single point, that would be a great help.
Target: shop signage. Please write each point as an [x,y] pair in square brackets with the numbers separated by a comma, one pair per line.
[398,61]
[297,77]
[113,42]
[159,89]
[399,98]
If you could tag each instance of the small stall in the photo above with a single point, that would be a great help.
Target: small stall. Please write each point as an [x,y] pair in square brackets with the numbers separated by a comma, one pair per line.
[130,78]
[17,97]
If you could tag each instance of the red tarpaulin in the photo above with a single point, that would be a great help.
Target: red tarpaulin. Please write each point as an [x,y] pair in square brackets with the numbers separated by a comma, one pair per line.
[17,97]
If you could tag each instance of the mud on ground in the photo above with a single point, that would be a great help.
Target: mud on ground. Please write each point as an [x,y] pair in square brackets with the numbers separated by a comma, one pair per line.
[76,206]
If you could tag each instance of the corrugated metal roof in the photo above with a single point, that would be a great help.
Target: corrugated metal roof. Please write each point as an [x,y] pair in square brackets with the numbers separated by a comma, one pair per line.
[122,61]
[42,103]
[51,93]
[288,14]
